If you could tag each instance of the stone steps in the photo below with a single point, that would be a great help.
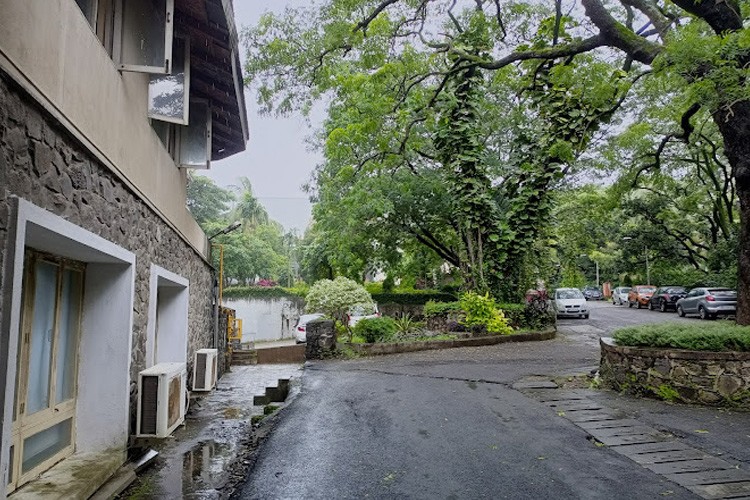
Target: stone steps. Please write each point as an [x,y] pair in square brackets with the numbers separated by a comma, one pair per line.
[276,394]
[244,358]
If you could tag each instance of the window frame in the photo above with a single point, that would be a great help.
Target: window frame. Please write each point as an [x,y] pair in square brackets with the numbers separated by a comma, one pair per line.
[186,107]
[26,426]
[118,45]
[185,136]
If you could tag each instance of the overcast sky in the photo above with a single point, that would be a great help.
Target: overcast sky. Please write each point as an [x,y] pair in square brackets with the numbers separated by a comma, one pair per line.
[276,161]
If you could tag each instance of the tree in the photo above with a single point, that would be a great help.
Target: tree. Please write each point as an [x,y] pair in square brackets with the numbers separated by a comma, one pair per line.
[698,49]
[335,298]
[249,210]
[207,201]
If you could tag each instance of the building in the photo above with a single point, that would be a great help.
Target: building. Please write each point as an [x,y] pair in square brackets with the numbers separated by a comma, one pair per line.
[104,106]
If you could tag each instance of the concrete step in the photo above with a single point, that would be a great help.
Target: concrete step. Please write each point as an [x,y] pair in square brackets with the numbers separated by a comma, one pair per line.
[276,394]
[244,358]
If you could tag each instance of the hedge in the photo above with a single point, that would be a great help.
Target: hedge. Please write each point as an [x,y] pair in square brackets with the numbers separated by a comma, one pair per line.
[412,298]
[720,336]
[262,292]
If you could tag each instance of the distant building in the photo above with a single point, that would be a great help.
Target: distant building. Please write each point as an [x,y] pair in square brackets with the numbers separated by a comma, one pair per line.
[104,105]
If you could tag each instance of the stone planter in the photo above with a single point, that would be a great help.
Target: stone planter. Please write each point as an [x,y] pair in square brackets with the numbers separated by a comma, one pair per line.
[709,378]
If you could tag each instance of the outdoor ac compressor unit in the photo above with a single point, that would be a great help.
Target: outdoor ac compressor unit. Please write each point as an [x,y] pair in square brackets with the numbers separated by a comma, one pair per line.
[205,369]
[162,391]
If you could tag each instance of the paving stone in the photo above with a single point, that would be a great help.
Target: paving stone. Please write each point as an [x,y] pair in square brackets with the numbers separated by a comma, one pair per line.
[576,405]
[668,456]
[548,395]
[608,424]
[631,439]
[704,464]
[637,448]
[732,475]
[590,416]
[725,490]
[535,384]
[622,431]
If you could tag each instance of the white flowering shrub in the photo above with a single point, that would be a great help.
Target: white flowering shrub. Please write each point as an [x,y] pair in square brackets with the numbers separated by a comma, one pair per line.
[335,298]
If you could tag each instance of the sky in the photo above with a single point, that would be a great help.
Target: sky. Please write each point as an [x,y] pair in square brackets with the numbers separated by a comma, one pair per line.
[277,160]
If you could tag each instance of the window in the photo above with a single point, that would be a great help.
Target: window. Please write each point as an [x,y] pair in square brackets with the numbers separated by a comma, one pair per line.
[46,376]
[168,94]
[195,139]
[101,16]
[143,38]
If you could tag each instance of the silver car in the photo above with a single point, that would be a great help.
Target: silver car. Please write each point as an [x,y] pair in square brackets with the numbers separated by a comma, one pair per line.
[620,295]
[708,303]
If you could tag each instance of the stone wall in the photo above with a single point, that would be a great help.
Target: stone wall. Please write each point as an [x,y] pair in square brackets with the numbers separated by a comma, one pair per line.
[710,378]
[42,163]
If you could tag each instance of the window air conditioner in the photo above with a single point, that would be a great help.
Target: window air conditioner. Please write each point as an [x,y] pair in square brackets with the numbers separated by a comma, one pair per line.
[205,369]
[161,399]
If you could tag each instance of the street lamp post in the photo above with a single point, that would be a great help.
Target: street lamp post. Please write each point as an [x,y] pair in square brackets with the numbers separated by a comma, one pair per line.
[232,227]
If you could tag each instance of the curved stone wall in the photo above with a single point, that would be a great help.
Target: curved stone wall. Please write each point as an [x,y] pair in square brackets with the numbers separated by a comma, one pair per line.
[709,378]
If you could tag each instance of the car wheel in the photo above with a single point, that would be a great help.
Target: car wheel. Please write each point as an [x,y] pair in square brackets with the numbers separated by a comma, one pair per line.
[680,312]
[638,304]
[702,313]
[650,306]
[630,304]
[663,306]
[586,316]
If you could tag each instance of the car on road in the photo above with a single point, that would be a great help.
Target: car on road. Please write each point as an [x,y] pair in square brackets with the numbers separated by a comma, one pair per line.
[620,295]
[666,297]
[639,295]
[570,303]
[592,293]
[300,329]
[708,303]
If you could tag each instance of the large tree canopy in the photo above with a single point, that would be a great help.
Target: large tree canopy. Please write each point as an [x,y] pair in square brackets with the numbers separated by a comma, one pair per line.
[432,68]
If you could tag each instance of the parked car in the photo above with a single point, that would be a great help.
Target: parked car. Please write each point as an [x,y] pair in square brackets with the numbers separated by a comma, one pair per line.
[639,295]
[666,297]
[570,303]
[620,295]
[708,303]
[592,293]
[361,312]
[300,329]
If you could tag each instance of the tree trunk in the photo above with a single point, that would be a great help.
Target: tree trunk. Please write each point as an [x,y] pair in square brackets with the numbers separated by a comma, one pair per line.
[734,123]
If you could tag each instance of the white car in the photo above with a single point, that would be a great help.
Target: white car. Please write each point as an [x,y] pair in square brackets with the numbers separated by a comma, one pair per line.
[300,329]
[361,312]
[620,295]
[570,303]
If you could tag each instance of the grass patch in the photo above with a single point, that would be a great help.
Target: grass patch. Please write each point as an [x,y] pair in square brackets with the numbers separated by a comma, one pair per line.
[720,336]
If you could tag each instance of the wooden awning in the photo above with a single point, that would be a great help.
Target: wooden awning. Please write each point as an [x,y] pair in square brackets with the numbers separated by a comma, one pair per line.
[215,70]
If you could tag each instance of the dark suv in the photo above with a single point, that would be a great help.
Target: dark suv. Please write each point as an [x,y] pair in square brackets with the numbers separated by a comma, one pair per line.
[666,297]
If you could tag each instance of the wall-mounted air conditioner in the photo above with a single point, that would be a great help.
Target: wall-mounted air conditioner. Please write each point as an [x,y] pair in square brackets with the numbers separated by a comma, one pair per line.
[161,399]
[205,369]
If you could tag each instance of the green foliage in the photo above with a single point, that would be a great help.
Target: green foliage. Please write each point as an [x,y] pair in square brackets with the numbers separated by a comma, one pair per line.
[433,308]
[667,393]
[335,298]
[416,297]
[207,201]
[405,324]
[719,336]
[376,329]
[481,310]
[263,292]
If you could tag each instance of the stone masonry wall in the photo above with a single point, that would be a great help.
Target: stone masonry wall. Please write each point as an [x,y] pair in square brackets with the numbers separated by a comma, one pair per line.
[42,163]
[710,378]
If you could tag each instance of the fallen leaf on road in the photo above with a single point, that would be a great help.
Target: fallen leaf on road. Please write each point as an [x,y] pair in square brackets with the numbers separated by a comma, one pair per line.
[701,431]
[560,413]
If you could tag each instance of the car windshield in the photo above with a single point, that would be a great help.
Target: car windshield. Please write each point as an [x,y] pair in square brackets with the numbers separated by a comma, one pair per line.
[568,294]
[647,289]
[625,289]
[675,289]
[722,292]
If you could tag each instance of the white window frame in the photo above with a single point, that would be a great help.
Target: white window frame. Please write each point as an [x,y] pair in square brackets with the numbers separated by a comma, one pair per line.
[186,106]
[184,137]
[120,33]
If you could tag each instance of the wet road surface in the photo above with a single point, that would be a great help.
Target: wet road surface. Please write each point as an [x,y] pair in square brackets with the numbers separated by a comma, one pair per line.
[451,424]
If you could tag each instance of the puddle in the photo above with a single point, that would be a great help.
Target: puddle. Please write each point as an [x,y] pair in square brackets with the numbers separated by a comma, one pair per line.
[194,474]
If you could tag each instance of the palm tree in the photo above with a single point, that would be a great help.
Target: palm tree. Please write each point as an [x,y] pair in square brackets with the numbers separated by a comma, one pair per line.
[249,210]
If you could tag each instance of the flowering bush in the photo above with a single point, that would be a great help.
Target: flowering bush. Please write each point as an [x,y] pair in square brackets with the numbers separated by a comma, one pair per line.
[335,298]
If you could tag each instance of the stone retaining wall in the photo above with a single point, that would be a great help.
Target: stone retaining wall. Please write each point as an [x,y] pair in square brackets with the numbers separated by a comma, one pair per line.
[710,378]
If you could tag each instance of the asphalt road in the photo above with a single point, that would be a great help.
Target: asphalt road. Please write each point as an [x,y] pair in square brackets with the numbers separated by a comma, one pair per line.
[449,424]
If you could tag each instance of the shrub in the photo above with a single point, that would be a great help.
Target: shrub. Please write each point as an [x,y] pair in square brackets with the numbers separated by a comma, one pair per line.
[335,298]
[721,336]
[405,324]
[515,314]
[432,308]
[262,292]
[482,311]
[376,329]
[416,297]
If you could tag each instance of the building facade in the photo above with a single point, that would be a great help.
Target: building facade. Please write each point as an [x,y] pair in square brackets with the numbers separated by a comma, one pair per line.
[104,107]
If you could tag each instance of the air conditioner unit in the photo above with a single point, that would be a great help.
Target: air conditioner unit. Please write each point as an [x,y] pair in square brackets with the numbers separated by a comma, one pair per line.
[205,369]
[161,399]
